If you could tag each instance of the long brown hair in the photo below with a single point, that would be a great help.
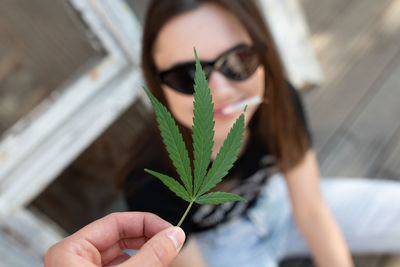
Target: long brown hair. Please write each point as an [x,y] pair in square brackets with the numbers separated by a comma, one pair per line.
[276,121]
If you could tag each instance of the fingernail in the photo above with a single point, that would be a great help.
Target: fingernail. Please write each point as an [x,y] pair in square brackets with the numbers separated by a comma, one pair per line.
[177,237]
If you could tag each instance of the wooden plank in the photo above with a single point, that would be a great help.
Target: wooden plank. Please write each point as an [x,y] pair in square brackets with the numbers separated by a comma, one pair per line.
[297,262]
[368,261]
[393,261]
[347,38]
[362,142]
[321,13]
[388,164]
[342,97]
[366,66]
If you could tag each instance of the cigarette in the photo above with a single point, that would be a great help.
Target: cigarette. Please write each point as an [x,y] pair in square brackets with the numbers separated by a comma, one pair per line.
[240,105]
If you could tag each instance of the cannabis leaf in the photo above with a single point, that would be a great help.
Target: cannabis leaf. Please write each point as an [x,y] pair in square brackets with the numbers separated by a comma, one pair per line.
[172,184]
[195,190]
[217,198]
[226,156]
[203,125]
[173,141]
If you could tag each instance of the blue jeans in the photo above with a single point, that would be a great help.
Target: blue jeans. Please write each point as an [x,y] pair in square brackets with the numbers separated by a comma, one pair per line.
[367,211]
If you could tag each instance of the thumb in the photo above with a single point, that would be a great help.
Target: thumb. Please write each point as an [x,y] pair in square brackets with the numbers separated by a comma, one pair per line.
[160,250]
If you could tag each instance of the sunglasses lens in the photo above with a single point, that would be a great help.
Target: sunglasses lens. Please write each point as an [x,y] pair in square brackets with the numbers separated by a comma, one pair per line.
[181,79]
[239,64]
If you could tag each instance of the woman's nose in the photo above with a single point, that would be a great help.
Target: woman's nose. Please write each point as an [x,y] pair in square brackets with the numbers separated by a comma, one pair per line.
[220,87]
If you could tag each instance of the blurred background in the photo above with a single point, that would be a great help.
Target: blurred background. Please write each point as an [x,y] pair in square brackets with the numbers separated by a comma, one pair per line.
[70,106]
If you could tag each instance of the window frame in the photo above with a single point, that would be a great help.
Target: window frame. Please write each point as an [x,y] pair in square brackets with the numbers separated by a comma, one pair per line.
[67,123]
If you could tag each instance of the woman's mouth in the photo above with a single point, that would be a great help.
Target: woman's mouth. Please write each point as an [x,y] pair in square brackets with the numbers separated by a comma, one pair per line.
[232,109]
[242,104]
[219,114]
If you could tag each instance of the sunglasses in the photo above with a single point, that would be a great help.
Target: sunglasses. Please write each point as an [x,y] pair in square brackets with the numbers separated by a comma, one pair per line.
[238,63]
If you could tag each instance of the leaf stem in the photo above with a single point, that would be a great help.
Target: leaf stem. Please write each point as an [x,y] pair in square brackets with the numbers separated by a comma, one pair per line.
[186,212]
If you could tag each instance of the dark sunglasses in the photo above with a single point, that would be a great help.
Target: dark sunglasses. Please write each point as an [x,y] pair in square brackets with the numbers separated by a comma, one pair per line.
[238,63]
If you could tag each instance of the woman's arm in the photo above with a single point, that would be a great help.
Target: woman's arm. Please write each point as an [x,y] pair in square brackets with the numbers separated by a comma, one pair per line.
[189,255]
[313,217]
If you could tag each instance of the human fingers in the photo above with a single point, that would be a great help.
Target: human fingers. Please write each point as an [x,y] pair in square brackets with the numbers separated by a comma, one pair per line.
[107,231]
[160,250]
[119,231]
[118,260]
[103,240]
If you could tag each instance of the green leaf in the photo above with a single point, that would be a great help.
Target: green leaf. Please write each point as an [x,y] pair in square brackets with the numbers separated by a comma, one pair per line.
[218,198]
[225,157]
[203,125]
[173,141]
[203,134]
[172,184]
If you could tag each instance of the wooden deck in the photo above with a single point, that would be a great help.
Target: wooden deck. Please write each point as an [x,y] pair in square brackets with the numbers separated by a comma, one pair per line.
[355,114]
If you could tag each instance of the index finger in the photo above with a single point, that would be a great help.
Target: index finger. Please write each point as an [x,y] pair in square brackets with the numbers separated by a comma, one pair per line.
[107,231]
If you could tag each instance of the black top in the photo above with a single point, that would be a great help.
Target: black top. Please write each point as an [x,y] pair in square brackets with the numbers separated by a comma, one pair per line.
[246,178]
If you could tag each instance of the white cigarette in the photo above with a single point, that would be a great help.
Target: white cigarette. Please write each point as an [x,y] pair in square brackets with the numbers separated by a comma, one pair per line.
[240,105]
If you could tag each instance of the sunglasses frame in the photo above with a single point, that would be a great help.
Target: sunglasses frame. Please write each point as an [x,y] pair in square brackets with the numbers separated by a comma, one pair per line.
[208,67]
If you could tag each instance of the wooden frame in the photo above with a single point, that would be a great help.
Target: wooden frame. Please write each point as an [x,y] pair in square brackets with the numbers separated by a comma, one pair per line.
[66,125]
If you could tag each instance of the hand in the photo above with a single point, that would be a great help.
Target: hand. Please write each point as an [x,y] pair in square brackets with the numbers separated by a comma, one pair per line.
[101,242]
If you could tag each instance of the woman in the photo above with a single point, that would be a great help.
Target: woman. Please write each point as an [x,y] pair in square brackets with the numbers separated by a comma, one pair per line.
[277,171]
